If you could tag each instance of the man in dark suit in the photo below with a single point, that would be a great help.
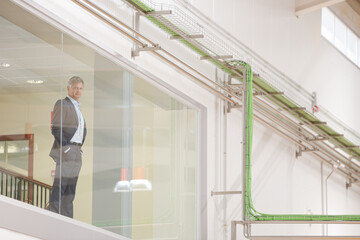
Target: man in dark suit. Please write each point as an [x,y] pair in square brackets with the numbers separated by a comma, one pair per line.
[69,131]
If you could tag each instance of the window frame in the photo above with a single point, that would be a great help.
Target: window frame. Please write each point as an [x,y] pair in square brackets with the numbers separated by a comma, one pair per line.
[22,137]
[331,38]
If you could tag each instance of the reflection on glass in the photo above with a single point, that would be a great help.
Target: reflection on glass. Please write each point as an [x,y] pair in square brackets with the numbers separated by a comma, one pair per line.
[164,145]
[14,156]
[2,151]
[30,70]
[122,186]
[18,154]
[133,185]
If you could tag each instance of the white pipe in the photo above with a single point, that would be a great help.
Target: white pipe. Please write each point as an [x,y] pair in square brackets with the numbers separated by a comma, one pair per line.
[322,195]
[326,197]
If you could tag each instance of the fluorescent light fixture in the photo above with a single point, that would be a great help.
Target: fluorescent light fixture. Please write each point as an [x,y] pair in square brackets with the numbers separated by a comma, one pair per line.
[141,185]
[5,65]
[32,81]
[122,186]
[133,185]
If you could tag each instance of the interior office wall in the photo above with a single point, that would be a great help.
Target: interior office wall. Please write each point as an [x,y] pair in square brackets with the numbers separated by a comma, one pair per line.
[280,180]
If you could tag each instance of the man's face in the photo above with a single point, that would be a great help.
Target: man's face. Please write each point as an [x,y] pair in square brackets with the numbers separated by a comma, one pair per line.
[75,91]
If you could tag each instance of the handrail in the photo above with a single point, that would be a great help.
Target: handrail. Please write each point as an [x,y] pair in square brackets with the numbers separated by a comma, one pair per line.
[24,189]
[3,170]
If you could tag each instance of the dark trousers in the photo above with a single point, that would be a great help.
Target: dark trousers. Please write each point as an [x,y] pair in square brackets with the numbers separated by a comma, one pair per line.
[66,176]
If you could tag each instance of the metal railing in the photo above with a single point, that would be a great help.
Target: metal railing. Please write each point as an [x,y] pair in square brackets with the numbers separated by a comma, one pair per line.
[24,189]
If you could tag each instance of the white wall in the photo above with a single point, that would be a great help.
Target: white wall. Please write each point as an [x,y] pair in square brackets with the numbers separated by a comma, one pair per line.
[281,183]
[295,47]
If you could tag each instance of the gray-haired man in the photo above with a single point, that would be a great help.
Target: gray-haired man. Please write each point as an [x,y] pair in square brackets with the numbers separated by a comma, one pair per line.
[69,131]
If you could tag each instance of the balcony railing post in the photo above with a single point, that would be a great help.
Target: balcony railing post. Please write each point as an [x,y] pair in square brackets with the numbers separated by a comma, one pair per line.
[46,193]
[6,183]
[37,195]
[22,197]
[28,192]
[31,192]
[23,188]
[11,186]
[1,186]
[41,200]
[16,189]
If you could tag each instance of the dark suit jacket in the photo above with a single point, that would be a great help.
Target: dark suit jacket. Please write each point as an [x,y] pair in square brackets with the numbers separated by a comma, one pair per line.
[67,118]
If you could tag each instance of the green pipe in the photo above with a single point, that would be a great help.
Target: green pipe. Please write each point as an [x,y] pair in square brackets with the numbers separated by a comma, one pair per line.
[250,212]
[282,101]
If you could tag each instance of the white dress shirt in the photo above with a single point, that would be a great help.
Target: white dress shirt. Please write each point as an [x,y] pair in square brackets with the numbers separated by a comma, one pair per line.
[79,134]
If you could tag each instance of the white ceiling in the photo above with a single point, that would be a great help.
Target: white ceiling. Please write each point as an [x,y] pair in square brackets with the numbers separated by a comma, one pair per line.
[34,51]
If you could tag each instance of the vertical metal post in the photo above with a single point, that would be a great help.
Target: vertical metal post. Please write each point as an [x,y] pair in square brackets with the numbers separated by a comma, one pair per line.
[6,185]
[41,198]
[28,192]
[322,195]
[46,194]
[37,195]
[23,190]
[136,26]
[244,145]
[1,183]
[224,151]
[11,186]
[233,230]
[33,193]
[326,197]
[16,189]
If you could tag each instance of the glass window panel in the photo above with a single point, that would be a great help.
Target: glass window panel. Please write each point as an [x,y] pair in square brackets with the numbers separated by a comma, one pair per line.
[2,151]
[340,35]
[351,46]
[334,30]
[327,24]
[138,171]
[30,82]
[165,153]
[140,153]
[18,154]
